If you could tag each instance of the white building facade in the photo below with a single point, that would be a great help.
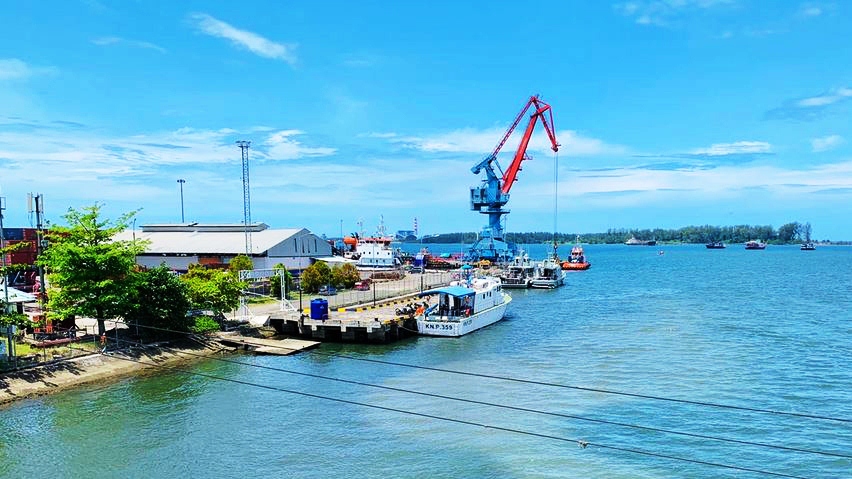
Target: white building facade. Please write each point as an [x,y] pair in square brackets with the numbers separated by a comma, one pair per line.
[179,245]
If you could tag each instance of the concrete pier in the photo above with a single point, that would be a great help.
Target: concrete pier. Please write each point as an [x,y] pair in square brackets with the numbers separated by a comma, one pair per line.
[360,323]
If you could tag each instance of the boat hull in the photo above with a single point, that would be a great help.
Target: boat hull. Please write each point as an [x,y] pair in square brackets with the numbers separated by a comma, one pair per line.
[547,283]
[462,326]
[509,284]
[566,266]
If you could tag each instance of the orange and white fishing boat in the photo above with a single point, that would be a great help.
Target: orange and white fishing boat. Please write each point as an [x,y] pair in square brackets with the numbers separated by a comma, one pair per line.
[577,261]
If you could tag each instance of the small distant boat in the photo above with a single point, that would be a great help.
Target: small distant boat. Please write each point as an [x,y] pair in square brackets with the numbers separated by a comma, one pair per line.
[715,245]
[637,242]
[755,245]
[807,246]
[577,260]
[463,307]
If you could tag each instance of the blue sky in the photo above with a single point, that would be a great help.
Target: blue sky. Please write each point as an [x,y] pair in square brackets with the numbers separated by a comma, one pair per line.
[669,113]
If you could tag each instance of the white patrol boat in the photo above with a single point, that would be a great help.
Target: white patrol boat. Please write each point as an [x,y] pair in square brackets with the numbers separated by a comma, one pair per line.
[463,307]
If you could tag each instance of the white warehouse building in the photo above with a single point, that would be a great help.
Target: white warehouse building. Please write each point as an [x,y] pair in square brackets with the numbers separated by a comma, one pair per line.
[179,245]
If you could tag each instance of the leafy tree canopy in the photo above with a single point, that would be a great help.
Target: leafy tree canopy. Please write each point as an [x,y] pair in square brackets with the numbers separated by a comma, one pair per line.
[240,263]
[788,233]
[315,276]
[275,281]
[160,300]
[212,289]
[89,273]
[345,275]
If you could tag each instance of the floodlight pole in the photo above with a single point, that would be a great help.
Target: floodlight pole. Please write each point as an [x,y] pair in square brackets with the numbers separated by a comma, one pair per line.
[181,181]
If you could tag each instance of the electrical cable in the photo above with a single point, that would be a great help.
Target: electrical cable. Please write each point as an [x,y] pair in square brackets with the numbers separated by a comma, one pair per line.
[548,384]
[581,443]
[514,408]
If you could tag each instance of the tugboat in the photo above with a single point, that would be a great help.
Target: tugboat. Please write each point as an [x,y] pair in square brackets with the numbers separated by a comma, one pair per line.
[577,260]
[715,245]
[755,245]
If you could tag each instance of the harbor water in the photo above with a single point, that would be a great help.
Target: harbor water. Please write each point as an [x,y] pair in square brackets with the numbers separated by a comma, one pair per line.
[762,330]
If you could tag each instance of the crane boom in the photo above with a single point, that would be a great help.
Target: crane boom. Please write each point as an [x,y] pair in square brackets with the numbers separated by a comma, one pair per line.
[541,108]
[491,197]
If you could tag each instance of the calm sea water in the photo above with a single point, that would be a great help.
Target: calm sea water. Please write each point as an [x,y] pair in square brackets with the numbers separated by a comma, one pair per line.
[761,329]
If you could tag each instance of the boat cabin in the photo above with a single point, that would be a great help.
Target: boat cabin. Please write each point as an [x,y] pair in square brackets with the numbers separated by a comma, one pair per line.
[458,301]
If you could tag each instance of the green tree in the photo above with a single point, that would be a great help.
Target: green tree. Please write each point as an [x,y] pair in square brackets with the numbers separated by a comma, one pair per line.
[275,281]
[315,276]
[160,300]
[789,232]
[90,274]
[212,289]
[21,321]
[806,231]
[345,275]
[240,263]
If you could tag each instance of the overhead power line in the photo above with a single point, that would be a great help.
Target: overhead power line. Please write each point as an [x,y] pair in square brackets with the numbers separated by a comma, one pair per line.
[514,408]
[581,443]
[550,384]
[588,389]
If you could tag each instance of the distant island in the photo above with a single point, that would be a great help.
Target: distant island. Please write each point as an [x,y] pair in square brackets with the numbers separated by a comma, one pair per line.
[790,233]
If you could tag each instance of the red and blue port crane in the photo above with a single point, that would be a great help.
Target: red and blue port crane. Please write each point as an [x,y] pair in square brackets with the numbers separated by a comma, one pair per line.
[491,196]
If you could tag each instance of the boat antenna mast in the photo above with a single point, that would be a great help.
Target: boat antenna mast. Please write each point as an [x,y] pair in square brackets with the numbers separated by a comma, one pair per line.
[492,195]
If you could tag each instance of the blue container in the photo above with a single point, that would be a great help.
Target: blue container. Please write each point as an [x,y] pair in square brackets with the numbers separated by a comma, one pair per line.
[16,234]
[319,309]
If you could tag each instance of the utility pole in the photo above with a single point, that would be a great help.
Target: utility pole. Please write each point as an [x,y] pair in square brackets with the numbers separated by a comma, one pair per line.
[35,204]
[244,149]
[9,329]
[181,181]
[3,245]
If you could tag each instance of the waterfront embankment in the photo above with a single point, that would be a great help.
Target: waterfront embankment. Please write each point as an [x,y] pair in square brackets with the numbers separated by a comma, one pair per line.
[94,368]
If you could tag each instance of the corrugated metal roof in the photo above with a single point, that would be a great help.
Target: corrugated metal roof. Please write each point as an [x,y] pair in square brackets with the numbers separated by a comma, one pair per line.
[210,242]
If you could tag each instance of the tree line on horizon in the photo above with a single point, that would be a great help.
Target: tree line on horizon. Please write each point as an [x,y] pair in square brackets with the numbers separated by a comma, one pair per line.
[789,233]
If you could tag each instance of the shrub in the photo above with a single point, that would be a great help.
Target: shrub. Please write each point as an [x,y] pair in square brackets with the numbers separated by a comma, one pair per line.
[205,324]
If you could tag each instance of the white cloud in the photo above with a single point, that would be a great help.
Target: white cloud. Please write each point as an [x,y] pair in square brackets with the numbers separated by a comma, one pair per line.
[15,69]
[381,135]
[245,39]
[475,141]
[702,183]
[736,148]
[281,146]
[826,143]
[105,41]
[79,154]
[663,12]
[827,99]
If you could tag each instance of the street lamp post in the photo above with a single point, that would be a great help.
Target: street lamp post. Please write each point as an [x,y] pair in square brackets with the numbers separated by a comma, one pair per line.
[181,181]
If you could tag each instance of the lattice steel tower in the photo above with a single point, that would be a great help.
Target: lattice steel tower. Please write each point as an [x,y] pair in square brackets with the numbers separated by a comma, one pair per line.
[244,148]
